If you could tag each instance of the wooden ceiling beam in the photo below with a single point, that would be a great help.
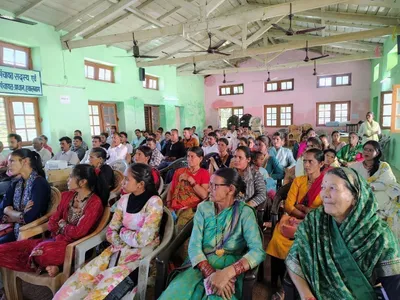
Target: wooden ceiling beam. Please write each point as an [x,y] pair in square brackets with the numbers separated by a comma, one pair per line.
[276,48]
[213,23]
[292,65]
[105,26]
[212,6]
[29,7]
[257,35]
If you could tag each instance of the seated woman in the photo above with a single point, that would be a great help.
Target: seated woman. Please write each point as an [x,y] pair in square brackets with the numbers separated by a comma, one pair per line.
[97,159]
[188,188]
[303,144]
[225,156]
[132,233]
[271,164]
[77,215]
[283,155]
[251,143]
[296,146]
[336,144]
[324,141]
[143,156]
[380,177]
[330,158]
[312,143]
[242,142]
[344,249]
[28,197]
[217,255]
[255,193]
[351,152]
[303,196]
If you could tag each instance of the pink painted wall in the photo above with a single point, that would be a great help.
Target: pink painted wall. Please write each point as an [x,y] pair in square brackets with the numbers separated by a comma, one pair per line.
[304,96]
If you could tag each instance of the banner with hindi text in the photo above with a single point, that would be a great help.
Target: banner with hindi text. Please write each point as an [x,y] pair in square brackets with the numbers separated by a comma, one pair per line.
[20,81]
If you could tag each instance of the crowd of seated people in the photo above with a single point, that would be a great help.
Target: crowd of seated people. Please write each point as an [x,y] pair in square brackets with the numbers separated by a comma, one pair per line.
[325,205]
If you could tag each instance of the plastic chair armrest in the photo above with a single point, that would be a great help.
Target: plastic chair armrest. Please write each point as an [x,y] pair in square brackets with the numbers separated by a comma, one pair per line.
[83,247]
[35,223]
[26,234]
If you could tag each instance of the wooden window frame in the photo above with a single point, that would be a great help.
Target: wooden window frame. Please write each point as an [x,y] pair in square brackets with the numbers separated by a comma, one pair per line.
[231,86]
[101,117]
[97,67]
[147,82]
[333,112]
[278,115]
[11,128]
[396,101]
[333,77]
[381,109]
[16,47]
[279,84]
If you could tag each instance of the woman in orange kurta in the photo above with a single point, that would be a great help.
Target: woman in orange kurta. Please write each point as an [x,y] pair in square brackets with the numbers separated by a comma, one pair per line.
[303,196]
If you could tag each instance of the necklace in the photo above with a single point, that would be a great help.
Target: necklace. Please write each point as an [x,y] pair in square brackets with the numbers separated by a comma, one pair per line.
[219,244]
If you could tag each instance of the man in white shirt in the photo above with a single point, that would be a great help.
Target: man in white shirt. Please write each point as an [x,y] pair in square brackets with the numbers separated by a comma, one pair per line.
[113,129]
[212,144]
[117,150]
[124,141]
[96,143]
[66,154]
[45,154]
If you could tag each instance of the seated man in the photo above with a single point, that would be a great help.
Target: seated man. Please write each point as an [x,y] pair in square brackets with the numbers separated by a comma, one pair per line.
[113,129]
[104,137]
[212,146]
[124,141]
[96,143]
[156,155]
[77,147]
[117,150]
[84,145]
[154,136]
[173,150]
[45,145]
[45,154]
[2,157]
[66,154]
[138,139]
[188,140]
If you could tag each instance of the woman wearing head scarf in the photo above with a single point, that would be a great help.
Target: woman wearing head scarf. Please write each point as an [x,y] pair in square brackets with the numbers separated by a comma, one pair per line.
[343,249]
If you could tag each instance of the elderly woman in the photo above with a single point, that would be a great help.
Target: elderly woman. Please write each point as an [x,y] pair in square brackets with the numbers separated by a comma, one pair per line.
[370,129]
[97,159]
[27,198]
[271,164]
[77,215]
[132,233]
[189,187]
[225,243]
[303,197]
[344,249]
[336,144]
[351,152]
[383,183]
[256,192]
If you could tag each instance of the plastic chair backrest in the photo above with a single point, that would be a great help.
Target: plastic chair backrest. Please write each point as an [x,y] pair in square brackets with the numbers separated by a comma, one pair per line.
[55,199]
[120,165]
[118,180]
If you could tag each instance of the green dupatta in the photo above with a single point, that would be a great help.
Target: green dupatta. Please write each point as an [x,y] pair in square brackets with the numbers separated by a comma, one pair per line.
[343,261]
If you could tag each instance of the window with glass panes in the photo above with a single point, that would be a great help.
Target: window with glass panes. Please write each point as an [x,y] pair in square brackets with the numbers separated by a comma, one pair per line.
[386,109]
[21,116]
[150,82]
[102,116]
[226,112]
[333,111]
[279,86]
[15,56]
[333,80]
[278,115]
[234,89]
[99,72]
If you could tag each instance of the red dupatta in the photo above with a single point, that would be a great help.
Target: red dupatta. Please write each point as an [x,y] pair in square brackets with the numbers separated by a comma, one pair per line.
[315,189]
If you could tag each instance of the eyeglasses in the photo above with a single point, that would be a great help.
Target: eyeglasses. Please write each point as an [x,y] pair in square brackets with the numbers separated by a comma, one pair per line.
[213,186]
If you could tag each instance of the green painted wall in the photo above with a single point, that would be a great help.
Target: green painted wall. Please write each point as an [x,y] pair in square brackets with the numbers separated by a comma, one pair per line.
[377,87]
[60,67]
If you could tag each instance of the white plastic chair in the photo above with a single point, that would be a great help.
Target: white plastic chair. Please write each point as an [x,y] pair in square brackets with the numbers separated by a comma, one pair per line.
[120,165]
[167,235]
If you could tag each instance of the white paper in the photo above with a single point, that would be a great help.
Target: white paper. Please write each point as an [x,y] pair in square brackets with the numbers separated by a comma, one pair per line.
[65,99]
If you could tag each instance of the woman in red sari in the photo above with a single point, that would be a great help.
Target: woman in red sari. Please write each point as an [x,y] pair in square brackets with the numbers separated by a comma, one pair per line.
[78,214]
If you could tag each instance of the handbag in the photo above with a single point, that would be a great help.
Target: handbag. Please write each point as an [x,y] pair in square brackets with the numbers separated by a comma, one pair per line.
[288,226]
[6,228]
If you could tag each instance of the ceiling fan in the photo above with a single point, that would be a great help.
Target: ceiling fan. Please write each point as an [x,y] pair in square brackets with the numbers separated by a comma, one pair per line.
[290,31]
[307,59]
[225,81]
[135,50]
[195,70]
[18,20]
[211,49]
[268,79]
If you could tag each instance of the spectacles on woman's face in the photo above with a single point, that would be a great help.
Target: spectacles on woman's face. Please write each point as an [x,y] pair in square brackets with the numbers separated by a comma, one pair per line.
[213,186]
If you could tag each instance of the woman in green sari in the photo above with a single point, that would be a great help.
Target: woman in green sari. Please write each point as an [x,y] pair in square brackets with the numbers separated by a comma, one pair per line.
[343,249]
[352,152]
[225,243]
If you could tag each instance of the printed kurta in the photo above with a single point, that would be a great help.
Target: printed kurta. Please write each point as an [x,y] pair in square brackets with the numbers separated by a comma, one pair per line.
[133,235]
[208,229]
